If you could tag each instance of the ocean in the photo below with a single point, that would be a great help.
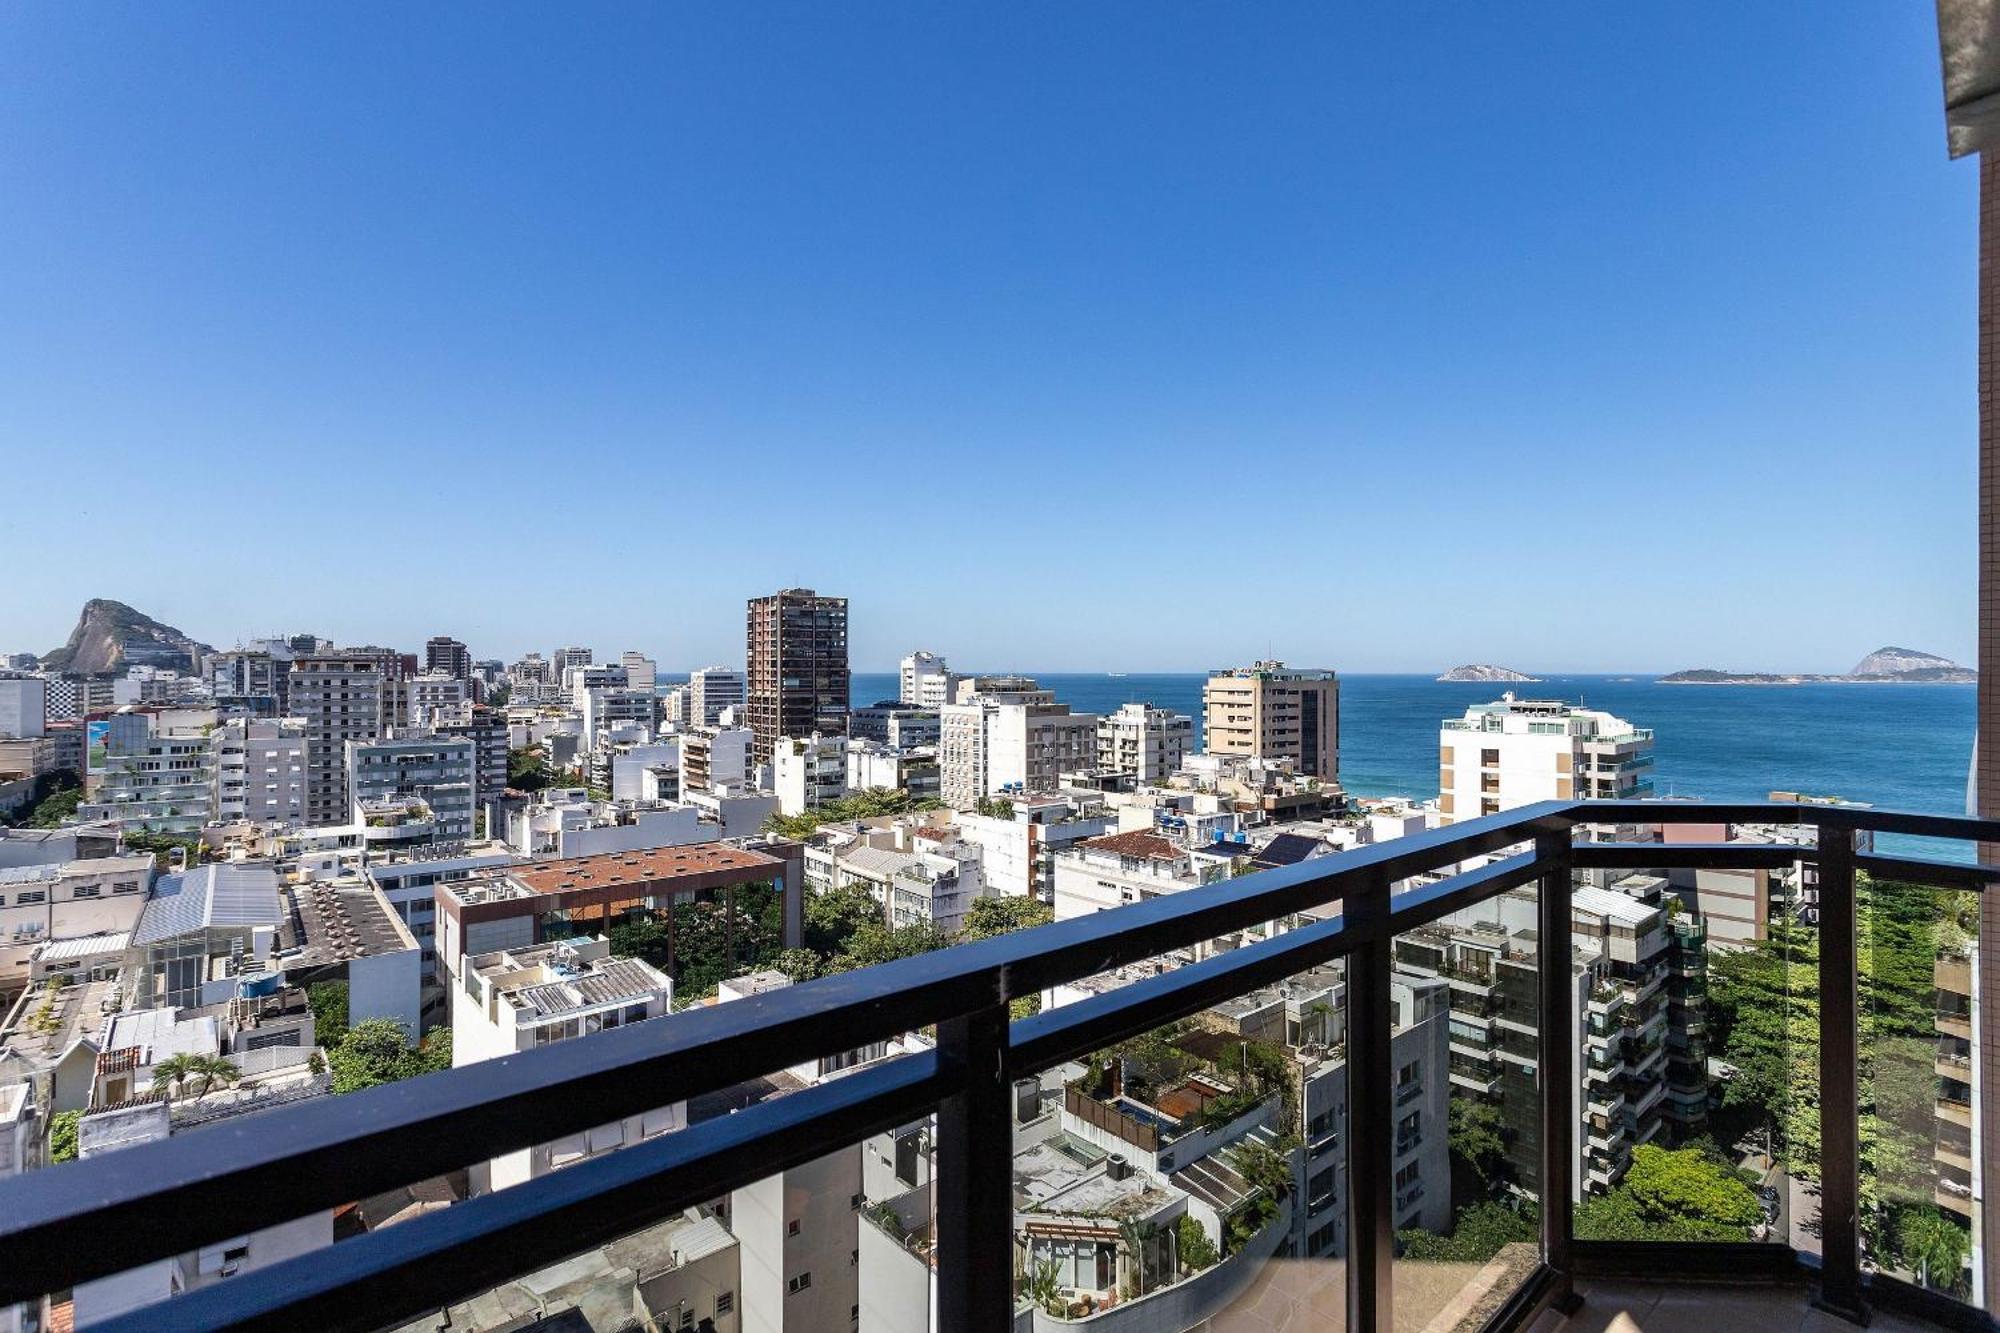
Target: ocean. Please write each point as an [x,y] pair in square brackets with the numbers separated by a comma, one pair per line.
[1907,747]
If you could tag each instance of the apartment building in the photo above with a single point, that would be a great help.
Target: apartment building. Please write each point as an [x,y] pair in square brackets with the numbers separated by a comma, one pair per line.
[1642,1071]
[710,692]
[161,781]
[341,698]
[1019,843]
[486,728]
[260,770]
[798,680]
[1517,751]
[715,757]
[417,789]
[563,659]
[24,705]
[1269,711]
[96,899]
[513,1000]
[433,694]
[893,722]
[809,771]
[925,681]
[913,769]
[1143,741]
[1006,734]
[444,655]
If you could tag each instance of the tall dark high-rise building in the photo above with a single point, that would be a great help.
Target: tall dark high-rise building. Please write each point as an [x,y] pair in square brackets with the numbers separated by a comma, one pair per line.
[446,654]
[798,678]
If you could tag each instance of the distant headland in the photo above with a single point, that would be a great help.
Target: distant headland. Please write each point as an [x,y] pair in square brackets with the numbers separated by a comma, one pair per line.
[1904,666]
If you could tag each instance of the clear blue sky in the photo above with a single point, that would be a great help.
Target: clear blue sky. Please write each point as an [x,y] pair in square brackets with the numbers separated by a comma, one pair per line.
[1125,337]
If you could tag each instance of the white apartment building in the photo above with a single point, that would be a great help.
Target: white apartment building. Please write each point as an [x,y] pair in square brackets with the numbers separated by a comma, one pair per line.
[641,671]
[514,1000]
[631,767]
[808,772]
[710,691]
[1006,734]
[24,705]
[434,694]
[1019,846]
[925,680]
[715,757]
[162,782]
[1144,741]
[1517,751]
[913,769]
[260,772]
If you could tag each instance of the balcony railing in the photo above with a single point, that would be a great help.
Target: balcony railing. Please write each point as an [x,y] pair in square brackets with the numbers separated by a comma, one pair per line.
[68,1225]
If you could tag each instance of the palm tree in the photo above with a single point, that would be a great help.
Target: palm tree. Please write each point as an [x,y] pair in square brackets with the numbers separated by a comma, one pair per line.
[175,1070]
[208,1070]
[211,1069]
[1935,1246]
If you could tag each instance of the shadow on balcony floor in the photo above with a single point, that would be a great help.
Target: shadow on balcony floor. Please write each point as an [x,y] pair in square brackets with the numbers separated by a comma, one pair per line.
[1635,1307]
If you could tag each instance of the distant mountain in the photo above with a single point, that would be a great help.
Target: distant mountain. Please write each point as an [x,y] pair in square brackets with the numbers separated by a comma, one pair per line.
[1909,664]
[1483,672]
[1893,665]
[111,636]
[1710,676]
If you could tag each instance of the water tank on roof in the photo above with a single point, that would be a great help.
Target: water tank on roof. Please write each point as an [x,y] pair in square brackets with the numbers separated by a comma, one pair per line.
[257,983]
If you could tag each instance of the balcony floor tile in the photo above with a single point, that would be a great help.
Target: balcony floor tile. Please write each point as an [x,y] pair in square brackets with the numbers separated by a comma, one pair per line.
[1639,1307]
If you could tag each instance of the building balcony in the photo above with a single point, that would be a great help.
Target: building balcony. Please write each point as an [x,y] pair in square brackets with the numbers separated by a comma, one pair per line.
[65,1227]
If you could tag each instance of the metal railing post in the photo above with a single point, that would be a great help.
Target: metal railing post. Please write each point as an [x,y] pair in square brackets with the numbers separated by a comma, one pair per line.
[1557,1063]
[975,1181]
[1371,1157]
[1839,1095]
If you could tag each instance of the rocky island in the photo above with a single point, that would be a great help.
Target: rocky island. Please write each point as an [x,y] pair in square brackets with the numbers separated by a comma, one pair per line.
[1884,665]
[1483,673]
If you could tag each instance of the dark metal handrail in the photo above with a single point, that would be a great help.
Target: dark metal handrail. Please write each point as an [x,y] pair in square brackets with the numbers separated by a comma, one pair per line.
[86,1220]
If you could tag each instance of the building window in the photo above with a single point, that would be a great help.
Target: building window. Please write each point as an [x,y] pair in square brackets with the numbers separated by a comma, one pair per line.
[87,891]
[125,886]
[725,1302]
[792,1227]
[799,1283]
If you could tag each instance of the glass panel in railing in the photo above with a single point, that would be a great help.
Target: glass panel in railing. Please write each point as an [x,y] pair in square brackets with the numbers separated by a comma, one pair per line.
[1192,1176]
[1692,1004]
[1465,1110]
[788,1251]
[1919,1147]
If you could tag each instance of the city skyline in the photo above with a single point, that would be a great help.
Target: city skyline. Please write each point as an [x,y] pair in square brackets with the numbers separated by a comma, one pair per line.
[1236,255]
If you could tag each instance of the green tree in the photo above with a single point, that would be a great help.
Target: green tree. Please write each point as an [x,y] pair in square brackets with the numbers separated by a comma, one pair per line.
[875,943]
[1197,1250]
[377,1050]
[832,918]
[1478,1233]
[61,794]
[62,1136]
[1933,1247]
[1478,1137]
[524,769]
[798,964]
[989,917]
[994,807]
[874,803]
[328,1000]
[1672,1195]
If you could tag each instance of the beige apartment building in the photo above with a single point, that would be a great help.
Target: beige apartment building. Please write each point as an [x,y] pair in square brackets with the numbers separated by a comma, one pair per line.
[1268,711]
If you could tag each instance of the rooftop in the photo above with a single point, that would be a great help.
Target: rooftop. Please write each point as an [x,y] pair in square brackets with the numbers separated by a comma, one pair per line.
[227,894]
[333,922]
[663,863]
[1150,846]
